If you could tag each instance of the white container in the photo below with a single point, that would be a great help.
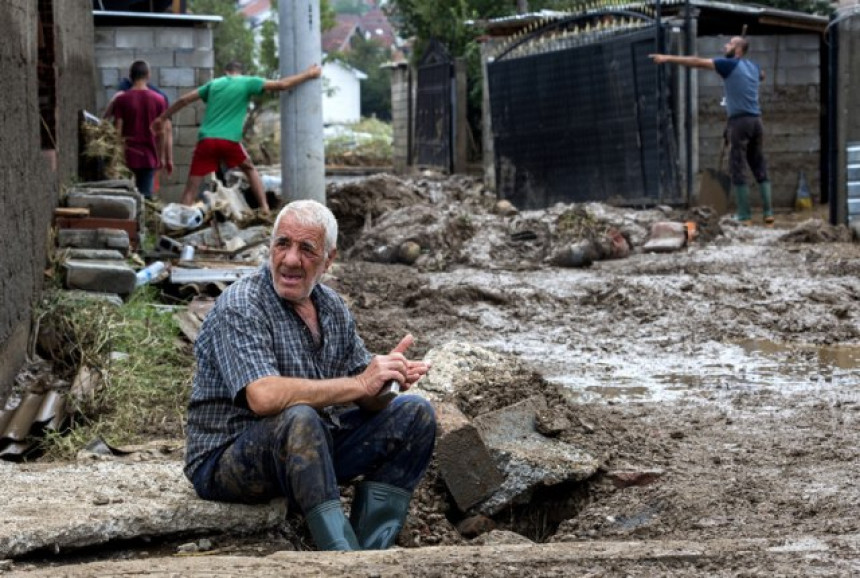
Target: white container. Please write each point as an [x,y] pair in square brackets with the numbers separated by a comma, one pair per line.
[187,253]
[150,272]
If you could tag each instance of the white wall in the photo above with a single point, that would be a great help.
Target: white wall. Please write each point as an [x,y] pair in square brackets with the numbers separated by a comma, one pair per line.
[342,93]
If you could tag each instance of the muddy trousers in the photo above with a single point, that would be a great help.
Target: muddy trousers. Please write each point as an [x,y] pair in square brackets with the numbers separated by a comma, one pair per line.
[303,456]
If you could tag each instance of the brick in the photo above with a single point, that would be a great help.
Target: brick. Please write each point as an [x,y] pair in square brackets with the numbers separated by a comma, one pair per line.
[177,77]
[194,58]
[175,38]
[464,461]
[134,37]
[104,206]
[100,276]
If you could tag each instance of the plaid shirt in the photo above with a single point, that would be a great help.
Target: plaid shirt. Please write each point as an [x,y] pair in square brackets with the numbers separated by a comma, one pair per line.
[253,333]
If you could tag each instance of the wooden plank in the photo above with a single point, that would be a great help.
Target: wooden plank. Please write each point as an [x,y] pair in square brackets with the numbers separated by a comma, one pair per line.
[71,212]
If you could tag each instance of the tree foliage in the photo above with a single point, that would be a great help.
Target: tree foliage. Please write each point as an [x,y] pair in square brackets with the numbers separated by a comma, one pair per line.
[368,55]
[232,39]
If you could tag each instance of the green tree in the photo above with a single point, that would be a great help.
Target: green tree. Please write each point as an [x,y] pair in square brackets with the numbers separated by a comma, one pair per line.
[368,56]
[232,39]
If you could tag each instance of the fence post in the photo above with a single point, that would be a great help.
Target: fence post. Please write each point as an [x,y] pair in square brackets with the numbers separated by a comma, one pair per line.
[461,119]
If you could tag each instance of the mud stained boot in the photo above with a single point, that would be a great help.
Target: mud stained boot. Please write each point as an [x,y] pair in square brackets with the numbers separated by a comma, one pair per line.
[330,528]
[742,202]
[378,513]
[767,202]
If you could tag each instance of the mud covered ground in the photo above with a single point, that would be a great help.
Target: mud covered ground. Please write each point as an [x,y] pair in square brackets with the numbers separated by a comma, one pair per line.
[729,371]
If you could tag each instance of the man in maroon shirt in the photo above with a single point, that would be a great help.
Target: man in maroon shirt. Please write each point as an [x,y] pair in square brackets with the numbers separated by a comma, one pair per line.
[133,111]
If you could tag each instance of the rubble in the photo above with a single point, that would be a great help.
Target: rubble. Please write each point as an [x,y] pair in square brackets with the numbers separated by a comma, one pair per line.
[127,500]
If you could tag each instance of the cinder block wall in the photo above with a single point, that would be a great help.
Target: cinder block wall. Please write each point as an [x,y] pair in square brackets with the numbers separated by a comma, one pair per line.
[181,59]
[791,110]
[847,104]
[31,178]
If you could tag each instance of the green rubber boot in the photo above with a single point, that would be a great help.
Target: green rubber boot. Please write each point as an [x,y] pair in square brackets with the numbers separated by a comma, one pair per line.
[742,202]
[378,513]
[766,201]
[330,528]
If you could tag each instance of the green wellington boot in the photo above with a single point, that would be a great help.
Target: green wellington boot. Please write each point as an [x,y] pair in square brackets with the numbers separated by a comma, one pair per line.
[766,201]
[742,202]
[378,513]
[330,528]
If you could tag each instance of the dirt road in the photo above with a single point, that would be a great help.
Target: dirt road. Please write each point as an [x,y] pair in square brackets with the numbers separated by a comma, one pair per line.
[731,369]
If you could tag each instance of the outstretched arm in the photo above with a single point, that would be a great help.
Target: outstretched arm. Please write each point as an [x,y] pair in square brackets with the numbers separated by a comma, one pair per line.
[288,82]
[180,103]
[689,61]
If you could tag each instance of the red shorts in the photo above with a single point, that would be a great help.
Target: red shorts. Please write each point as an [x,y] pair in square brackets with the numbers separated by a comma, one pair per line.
[211,152]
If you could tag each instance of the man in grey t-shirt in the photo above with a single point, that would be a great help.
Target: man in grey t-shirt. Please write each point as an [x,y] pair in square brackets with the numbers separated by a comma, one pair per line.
[745,131]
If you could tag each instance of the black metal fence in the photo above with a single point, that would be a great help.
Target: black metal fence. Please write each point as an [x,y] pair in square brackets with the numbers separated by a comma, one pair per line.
[434,109]
[578,117]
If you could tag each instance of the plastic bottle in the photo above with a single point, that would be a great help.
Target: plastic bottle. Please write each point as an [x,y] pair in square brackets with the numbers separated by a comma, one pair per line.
[150,272]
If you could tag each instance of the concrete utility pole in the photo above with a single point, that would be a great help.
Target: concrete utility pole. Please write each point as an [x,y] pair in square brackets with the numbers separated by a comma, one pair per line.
[302,150]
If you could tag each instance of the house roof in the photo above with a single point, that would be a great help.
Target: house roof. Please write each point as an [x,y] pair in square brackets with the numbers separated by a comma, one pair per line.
[337,39]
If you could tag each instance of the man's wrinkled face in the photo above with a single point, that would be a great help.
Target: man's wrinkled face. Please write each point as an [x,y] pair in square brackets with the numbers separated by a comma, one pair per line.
[297,259]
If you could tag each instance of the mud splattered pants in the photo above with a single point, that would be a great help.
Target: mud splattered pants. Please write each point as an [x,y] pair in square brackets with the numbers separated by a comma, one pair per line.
[303,456]
[746,140]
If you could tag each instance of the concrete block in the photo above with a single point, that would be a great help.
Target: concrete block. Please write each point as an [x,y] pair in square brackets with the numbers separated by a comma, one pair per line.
[110,77]
[99,254]
[120,58]
[204,75]
[194,58]
[171,93]
[203,38]
[527,459]
[104,38]
[156,57]
[464,461]
[104,206]
[100,276]
[175,37]
[94,239]
[185,136]
[177,77]
[182,155]
[135,37]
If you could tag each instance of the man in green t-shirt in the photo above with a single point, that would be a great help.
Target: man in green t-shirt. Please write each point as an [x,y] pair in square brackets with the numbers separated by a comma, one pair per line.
[220,136]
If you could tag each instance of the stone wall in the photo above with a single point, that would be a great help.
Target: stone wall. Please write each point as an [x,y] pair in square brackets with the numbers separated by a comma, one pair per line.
[31,177]
[791,109]
[181,58]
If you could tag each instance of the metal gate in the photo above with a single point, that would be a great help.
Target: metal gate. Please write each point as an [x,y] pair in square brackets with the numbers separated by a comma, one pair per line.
[576,116]
[435,109]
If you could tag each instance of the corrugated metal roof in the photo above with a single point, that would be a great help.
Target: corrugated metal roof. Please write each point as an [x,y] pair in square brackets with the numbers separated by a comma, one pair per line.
[21,426]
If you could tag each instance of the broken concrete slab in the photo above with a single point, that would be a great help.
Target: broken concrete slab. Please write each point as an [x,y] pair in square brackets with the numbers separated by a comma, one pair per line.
[94,239]
[108,206]
[526,458]
[469,471]
[451,363]
[100,276]
[78,294]
[70,506]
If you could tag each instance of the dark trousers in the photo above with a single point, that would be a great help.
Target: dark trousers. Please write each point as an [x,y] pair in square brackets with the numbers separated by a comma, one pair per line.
[144,180]
[746,140]
[303,456]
